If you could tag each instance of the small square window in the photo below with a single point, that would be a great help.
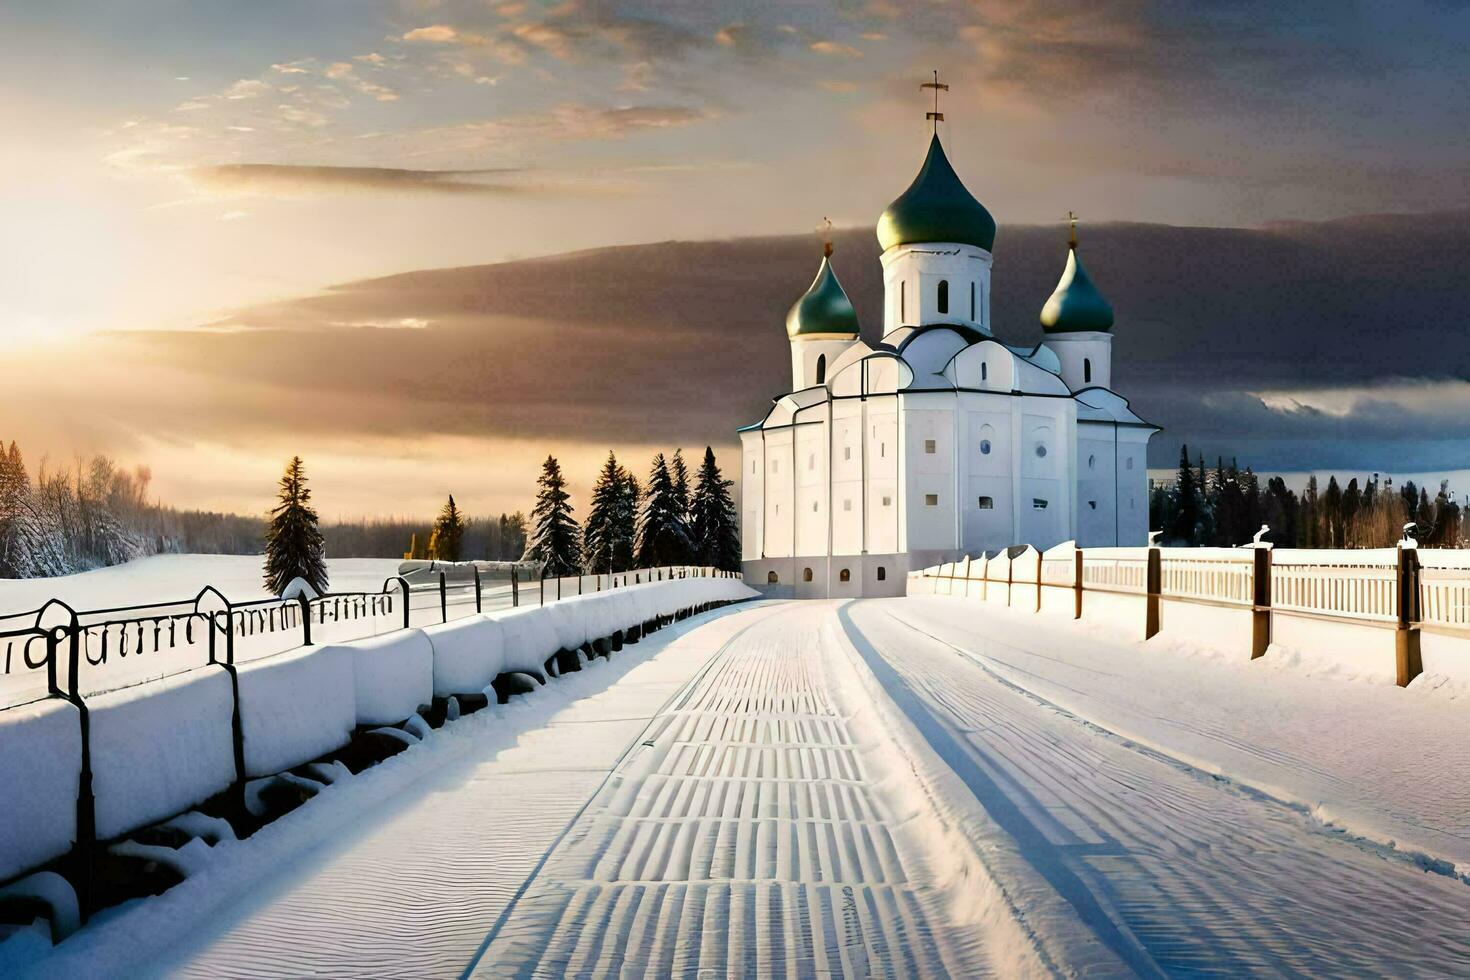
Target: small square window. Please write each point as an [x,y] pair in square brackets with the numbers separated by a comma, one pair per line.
[931,500]
[1038,504]
[1092,504]
[929,446]
[887,500]
[987,503]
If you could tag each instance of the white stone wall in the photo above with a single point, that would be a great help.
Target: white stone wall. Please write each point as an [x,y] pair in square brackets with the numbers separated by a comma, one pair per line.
[911,277]
[1086,356]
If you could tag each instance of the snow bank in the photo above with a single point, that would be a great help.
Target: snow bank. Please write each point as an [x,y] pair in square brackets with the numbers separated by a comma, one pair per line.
[40,759]
[529,637]
[392,675]
[468,654]
[164,746]
[296,707]
[161,747]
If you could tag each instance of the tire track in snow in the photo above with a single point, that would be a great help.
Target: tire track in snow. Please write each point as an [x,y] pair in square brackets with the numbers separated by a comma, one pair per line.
[1210,878]
[745,836]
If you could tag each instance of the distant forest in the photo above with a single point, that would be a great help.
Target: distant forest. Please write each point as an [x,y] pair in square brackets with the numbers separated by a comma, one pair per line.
[1226,506]
[95,513]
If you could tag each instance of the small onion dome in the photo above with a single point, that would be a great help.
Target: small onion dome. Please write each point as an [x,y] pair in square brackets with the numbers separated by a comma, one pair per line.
[1076,304]
[824,309]
[936,208]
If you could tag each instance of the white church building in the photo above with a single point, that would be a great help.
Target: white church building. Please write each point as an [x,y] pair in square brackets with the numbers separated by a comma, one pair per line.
[941,440]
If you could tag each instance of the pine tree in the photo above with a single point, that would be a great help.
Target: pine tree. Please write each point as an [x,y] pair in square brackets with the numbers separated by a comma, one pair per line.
[679,474]
[716,533]
[1186,495]
[663,536]
[607,535]
[558,540]
[294,546]
[446,543]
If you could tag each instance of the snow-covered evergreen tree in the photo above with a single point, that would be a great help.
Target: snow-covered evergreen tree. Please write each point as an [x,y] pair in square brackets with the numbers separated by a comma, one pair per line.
[557,541]
[663,535]
[611,526]
[446,543]
[294,546]
[713,524]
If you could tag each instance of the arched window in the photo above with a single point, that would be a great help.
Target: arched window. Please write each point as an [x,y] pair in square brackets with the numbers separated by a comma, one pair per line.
[882,573]
[806,574]
[987,503]
[772,578]
[1092,462]
[972,299]
[903,301]
[944,296]
[1086,370]
[984,371]
[844,576]
[822,369]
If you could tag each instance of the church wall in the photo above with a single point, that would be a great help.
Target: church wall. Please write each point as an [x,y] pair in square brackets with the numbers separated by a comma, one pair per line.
[884,461]
[911,276]
[1095,482]
[929,476]
[811,489]
[1044,459]
[779,498]
[1132,485]
[989,474]
[752,494]
[847,477]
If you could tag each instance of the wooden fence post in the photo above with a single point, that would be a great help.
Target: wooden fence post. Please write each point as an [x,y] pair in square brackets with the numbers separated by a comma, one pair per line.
[1261,602]
[1155,584]
[1077,584]
[1039,563]
[1408,662]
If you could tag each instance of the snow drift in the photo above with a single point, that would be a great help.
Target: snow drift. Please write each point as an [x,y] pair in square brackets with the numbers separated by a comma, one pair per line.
[162,747]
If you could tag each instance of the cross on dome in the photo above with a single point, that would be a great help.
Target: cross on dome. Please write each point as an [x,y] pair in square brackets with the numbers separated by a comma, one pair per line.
[937,86]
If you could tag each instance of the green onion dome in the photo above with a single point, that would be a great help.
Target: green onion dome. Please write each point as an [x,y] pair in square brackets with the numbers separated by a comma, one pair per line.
[824,309]
[936,208]
[1076,304]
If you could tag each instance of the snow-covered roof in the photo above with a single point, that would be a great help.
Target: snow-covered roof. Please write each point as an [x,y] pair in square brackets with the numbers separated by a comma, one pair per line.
[946,357]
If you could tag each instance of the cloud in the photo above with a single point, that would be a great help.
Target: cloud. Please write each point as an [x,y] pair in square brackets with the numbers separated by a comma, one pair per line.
[436,34]
[835,49]
[268,179]
[247,88]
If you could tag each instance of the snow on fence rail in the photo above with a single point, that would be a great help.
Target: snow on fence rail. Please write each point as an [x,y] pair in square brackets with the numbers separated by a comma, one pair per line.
[1332,600]
[94,766]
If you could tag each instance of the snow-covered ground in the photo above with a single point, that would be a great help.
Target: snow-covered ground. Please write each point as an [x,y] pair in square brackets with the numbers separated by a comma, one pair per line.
[919,786]
[165,578]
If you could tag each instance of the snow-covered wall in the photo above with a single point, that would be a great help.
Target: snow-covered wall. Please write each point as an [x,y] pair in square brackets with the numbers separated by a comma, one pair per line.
[162,747]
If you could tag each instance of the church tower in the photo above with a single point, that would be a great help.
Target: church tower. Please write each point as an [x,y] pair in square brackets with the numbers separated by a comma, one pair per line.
[820,325]
[937,241]
[1078,321]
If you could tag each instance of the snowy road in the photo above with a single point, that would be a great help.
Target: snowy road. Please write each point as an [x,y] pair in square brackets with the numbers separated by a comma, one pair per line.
[882,787]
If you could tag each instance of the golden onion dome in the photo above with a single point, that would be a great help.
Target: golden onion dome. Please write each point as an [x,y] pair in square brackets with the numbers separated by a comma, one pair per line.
[824,308]
[936,208]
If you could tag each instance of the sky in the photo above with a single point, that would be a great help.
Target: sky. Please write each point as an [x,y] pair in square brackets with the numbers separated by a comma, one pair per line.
[168,163]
